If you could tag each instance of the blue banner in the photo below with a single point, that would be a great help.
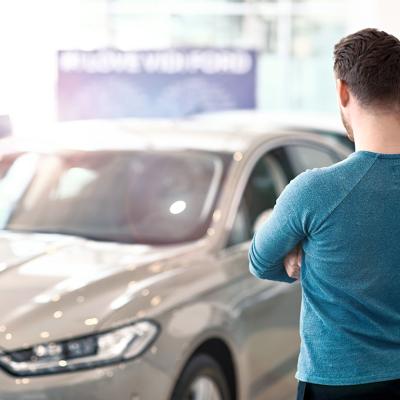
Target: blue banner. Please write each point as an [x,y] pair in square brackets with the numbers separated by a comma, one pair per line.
[160,83]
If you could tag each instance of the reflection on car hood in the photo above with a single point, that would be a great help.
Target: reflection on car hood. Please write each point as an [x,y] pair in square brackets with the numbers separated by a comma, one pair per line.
[54,287]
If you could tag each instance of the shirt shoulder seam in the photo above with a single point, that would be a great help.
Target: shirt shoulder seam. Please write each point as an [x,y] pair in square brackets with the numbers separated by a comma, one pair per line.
[348,193]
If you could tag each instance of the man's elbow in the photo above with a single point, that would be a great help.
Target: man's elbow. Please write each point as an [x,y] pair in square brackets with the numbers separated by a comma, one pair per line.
[271,274]
[257,272]
[262,271]
[259,267]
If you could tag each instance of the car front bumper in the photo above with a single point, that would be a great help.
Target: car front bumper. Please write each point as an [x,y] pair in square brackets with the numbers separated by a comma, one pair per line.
[136,380]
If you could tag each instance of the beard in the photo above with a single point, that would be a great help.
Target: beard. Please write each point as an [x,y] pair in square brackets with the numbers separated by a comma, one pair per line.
[348,127]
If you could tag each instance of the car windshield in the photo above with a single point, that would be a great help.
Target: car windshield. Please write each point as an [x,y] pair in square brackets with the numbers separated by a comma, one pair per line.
[145,197]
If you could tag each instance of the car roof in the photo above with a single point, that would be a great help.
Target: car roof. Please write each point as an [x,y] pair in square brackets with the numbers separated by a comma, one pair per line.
[256,120]
[209,132]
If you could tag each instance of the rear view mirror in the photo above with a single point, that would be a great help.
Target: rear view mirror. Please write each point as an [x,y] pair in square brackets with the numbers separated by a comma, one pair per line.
[261,219]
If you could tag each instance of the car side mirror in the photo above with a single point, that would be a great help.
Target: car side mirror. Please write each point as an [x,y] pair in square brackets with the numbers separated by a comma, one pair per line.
[261,219]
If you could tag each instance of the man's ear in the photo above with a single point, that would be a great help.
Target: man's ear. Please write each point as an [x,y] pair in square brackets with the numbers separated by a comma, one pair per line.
[342,92]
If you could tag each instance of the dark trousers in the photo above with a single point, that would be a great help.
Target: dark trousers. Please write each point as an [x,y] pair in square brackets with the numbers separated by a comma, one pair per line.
[385,390]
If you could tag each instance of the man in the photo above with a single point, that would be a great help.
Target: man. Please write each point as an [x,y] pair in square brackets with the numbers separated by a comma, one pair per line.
[337,229]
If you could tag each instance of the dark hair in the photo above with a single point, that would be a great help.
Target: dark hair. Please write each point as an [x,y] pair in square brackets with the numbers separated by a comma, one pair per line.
[369,62]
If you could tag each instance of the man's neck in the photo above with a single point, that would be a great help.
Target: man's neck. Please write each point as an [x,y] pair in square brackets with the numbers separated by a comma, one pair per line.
[380,134]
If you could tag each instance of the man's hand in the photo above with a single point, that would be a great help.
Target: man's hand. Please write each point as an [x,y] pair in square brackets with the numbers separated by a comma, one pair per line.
[292,262]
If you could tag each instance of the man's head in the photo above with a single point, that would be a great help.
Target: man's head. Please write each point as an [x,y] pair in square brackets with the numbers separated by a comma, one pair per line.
[367,70]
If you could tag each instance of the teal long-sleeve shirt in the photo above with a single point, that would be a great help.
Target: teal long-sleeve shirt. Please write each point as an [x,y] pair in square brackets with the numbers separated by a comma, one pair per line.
[346,217]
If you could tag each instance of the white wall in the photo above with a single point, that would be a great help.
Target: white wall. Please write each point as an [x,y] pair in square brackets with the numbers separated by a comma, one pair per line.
[380,14]
[27,68]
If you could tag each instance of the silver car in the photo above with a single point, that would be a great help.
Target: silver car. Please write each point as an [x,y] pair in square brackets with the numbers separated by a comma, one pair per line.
[123,269]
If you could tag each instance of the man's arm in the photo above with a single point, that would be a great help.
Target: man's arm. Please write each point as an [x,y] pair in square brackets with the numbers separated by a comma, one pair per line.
[279,235]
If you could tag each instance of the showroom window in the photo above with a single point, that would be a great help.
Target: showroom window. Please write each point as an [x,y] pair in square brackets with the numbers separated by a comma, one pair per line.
[294,45]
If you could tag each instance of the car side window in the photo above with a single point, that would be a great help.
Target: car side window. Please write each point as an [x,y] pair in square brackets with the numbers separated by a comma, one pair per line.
[302,157]
[266,182]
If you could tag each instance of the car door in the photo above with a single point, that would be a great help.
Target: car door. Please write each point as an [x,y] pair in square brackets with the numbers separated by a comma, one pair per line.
[269,311]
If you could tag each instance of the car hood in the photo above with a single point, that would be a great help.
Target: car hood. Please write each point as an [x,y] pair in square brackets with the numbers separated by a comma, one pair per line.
[54,287]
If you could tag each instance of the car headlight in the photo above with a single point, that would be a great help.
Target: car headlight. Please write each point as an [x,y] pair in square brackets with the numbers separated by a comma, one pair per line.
[91,351]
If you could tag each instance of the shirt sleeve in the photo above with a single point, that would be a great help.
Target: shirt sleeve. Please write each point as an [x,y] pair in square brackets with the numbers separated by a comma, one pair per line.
[282,231]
